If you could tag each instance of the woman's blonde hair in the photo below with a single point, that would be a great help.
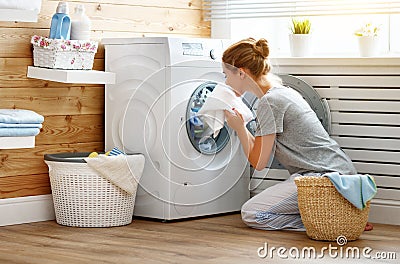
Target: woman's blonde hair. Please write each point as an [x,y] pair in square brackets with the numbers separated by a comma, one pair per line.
[250,54]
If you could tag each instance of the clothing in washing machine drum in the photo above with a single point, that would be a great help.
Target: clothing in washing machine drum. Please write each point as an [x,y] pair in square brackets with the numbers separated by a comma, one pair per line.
[200,135]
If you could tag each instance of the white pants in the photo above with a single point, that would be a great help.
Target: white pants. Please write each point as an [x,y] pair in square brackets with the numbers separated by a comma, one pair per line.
[275,208]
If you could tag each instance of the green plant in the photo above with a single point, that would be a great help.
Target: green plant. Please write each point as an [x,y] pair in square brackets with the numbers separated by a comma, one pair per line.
[367,30]
[300,26]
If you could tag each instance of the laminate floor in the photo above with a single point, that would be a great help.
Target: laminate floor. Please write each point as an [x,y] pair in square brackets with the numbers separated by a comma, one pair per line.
[219,239]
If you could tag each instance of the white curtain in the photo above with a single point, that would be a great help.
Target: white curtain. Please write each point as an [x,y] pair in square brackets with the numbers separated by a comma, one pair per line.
[231,9]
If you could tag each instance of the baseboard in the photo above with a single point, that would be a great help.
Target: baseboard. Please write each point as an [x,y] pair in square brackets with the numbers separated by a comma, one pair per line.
[385,212]
[26,209]
[40,208]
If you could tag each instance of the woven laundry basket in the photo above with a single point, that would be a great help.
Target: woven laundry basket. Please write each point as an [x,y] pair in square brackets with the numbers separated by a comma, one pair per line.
[83,198]
[325,213]
[63,54]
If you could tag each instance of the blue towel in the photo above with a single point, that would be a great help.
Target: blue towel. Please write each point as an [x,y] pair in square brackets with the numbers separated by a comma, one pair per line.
[4,125]
[18,132]
[18,116]
[357,189]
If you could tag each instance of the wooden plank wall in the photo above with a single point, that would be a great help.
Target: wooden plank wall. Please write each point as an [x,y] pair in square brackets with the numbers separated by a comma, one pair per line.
[74,113]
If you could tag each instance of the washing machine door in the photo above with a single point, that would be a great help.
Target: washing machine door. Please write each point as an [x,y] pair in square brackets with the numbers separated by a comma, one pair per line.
[201,137]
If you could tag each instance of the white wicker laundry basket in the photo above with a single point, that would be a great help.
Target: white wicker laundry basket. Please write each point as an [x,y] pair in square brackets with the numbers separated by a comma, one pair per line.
[63,54]
[82,198]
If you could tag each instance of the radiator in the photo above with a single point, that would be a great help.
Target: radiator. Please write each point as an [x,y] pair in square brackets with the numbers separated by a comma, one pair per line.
[364,100]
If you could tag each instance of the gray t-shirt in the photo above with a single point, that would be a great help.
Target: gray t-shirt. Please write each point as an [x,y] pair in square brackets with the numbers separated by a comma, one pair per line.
[302,144]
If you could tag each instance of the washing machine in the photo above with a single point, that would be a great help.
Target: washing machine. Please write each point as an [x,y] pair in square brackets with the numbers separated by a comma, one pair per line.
[161,82]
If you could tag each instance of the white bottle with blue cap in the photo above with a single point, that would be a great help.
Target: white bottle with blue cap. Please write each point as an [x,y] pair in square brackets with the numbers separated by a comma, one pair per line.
[60,27]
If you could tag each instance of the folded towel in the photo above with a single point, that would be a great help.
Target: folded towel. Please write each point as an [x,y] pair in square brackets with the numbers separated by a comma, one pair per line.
[123,171]
[21,4]
[222,98]
[18,132]
[357,189]
[3,125]
[18,116]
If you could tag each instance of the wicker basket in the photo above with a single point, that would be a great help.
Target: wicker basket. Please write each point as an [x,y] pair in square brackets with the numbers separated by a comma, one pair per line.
[63,54]
[326,214]
[82,198]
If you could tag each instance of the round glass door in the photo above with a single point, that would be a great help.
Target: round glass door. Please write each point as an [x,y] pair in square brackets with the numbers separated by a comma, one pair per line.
[201,136]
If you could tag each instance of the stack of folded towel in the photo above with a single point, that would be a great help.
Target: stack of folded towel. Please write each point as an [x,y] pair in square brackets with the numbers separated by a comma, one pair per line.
[19,123]
[21,4]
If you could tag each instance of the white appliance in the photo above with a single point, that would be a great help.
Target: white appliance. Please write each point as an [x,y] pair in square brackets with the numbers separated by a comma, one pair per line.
[160,84]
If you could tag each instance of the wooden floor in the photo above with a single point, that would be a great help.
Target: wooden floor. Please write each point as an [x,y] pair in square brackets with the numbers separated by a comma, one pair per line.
[221,239]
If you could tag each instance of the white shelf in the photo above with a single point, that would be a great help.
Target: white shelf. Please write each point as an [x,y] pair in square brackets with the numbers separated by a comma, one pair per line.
[71,76]
[17,142]
[18,15]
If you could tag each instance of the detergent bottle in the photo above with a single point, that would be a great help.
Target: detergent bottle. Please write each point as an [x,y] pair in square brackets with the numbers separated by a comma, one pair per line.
[80,24]
[60,27]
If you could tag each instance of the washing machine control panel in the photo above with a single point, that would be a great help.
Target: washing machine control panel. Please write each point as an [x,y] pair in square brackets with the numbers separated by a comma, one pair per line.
[198,49]
[196,52]
[192,49]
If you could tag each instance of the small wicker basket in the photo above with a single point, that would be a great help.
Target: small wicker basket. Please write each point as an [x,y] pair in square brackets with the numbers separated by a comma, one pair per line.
[325,213]
[83,198]
[63,54]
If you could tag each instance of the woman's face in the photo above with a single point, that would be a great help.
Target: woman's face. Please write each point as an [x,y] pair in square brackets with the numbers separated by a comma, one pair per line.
[234,80]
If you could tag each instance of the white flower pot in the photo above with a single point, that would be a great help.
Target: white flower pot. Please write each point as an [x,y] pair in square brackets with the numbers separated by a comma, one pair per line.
[300,45]
[369,46]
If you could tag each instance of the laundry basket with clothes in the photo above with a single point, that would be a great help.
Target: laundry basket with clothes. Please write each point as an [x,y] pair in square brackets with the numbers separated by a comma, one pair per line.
[335,206]
[94,191]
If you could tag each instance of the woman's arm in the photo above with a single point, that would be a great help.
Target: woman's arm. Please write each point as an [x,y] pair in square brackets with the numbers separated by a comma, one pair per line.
[257,149]
[261,152]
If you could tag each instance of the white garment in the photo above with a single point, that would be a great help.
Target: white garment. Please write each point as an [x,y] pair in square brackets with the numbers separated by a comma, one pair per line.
[222,98]
[123,171]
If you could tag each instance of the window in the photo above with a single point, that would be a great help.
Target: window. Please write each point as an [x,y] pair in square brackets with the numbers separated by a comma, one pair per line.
[333,35]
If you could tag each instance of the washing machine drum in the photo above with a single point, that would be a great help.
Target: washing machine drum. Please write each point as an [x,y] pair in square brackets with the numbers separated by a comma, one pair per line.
[200,135]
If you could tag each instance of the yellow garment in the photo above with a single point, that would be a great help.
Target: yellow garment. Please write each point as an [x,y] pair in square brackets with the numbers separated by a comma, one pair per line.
[93,155]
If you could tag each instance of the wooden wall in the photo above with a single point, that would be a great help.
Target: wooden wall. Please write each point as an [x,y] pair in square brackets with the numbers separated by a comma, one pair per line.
[74,113]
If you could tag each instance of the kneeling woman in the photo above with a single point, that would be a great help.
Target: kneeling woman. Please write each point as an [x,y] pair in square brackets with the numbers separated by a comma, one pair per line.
[287,126]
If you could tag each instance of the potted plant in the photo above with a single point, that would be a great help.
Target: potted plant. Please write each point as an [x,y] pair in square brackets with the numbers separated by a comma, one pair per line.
[368,40]
[300,37]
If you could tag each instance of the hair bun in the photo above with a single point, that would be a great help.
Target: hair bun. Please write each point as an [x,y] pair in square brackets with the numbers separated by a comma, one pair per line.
[261,47]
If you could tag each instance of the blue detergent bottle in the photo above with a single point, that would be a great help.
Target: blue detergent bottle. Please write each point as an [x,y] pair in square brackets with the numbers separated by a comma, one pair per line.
[60,27]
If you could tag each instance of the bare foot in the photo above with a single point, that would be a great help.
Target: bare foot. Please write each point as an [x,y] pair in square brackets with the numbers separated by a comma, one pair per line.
[368,227]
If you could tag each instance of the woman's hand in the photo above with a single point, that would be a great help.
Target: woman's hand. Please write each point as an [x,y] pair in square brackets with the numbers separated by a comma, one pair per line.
[235,121]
